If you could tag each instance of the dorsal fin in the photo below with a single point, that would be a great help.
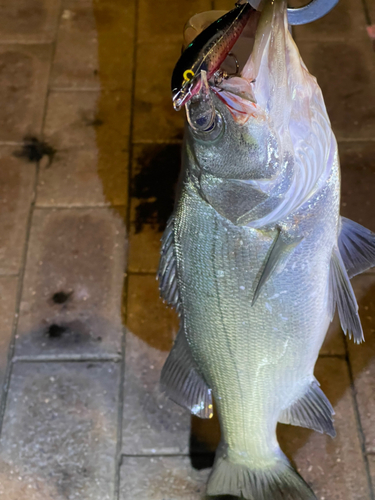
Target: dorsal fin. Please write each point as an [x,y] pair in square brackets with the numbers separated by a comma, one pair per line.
[343,297]
[167,272]
[312,410]
[357,247]
[181,380]
[279,253]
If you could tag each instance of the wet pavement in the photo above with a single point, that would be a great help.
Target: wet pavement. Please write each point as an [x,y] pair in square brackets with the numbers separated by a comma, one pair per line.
[89,157]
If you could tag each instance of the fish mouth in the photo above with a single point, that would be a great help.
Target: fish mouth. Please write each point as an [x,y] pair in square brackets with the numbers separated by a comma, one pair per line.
[264,68]
[181,96]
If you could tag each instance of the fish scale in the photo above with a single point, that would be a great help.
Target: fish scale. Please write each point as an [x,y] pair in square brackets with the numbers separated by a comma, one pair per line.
[260,259]
[225,308]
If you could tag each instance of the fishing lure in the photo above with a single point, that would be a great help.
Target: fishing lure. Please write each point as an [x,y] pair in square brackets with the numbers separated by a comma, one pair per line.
[207,52]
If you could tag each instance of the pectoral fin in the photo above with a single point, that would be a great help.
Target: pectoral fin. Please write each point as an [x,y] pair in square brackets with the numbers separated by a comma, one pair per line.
[357,247]
[342,296]
[312,410]
[279,253]
[182,381]
[167,272]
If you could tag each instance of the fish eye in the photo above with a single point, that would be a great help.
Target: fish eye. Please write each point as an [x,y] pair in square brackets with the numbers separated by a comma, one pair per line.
[205,128]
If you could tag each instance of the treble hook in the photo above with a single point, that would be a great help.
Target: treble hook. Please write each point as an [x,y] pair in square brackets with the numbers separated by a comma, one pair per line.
[236,63]
[221,74]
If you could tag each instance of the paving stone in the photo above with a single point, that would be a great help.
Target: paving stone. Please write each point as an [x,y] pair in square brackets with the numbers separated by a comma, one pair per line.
[8,293]
[60,430]
[358,181]
[144,249]
[84,178]
[163,21]
[28,21]
[24,72]
[334,343]
[87,120]
[162,478]
[155,120]
[223,4]
[346,74]
[152,423]
[371,9]
[371,460]
[346,20]
[94,45]
[362,358]
[71,301]
[16,193]
[333,467]
[149,318]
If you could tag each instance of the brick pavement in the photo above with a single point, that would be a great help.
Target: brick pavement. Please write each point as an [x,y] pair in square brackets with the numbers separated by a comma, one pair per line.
[83,335]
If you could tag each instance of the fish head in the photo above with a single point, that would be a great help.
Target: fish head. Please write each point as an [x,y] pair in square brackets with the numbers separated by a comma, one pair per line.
[229,149]
[271,142]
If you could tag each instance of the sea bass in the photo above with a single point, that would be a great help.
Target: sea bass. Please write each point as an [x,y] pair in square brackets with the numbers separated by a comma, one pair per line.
[256,259]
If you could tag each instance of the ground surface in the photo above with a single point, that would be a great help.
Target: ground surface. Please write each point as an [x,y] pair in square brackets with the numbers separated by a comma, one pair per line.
[89,154]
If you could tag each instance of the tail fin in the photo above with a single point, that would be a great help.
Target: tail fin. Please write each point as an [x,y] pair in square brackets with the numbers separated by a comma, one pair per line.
[279,482]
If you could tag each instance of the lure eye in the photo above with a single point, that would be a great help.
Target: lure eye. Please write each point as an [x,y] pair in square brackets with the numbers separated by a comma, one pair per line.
[188,75]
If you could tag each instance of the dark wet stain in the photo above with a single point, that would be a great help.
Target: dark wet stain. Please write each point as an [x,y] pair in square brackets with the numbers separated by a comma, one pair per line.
[204,439]
[202,461]
[96,122]
[61,297]
[69,333]
[179,135]
[155,184]
[56,331]
[34,150]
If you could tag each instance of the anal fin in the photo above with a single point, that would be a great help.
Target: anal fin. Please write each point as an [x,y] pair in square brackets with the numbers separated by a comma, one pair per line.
[357,247]
[342,296]
[181,380]
[312,410]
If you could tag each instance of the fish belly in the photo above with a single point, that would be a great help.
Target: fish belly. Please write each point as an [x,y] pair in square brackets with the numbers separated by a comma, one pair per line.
[257,359]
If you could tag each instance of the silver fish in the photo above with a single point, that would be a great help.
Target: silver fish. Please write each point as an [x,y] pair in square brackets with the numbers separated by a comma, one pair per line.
[256,259]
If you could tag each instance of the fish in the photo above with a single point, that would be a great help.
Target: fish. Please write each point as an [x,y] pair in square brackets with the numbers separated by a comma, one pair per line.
[207,52]
[256,259]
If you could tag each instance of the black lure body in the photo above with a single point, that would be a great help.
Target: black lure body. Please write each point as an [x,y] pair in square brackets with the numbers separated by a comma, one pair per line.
[207,52]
